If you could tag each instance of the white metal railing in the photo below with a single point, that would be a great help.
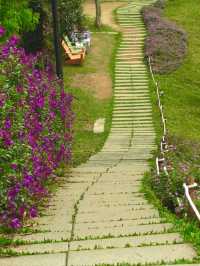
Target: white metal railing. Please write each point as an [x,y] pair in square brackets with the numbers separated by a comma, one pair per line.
[163,148]
[163,140]
[187,194]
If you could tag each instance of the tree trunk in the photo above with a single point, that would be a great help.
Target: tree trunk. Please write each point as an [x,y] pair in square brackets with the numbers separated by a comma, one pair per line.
[98,13]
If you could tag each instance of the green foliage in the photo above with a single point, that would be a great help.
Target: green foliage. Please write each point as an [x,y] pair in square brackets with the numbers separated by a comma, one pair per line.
[181,96]
[33,40]
[16,16]
[71,14]
[188,229]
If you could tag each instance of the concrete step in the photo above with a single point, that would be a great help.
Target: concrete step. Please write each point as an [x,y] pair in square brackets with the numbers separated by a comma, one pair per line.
[137,255]
[121,231]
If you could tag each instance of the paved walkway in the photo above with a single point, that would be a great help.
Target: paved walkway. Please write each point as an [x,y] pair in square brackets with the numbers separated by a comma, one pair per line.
[100,215]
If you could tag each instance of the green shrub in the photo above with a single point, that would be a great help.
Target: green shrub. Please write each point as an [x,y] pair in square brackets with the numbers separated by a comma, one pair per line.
[71,15]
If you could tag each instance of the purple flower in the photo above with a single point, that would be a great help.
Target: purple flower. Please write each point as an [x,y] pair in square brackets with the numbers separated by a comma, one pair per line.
[22,211]
[12,192]
[28,180]
[6,138]
[40,102]
[2,31]
[52,115]
[33,212]
[19,89]
[7,123]
[38,120]
[14,166]
[15,223]
[32,141]
[5,51]
[14,40]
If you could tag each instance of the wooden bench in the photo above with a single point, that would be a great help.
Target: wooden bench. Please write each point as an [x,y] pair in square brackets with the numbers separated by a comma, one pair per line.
[74,57]
[72,47]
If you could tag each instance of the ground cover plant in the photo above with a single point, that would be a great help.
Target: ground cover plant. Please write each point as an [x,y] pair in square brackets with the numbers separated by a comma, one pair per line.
[35,131]
[166,43]
[180,97]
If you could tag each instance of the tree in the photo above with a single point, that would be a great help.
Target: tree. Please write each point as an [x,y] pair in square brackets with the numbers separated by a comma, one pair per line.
[98,13]
[71,15]
[16,16]
[33,40]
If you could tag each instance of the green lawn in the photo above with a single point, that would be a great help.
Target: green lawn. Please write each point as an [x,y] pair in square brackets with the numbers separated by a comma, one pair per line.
[181,102]
[88,106]
[182,93]
[182,87]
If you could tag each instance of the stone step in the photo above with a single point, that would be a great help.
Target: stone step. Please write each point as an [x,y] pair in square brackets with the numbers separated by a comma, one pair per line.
[125,73]
[123,231]
[35,260]
[135,255]
[88,209]
[131,66]
[141,81]
[130,94]
[132,108]
[132,113]
[113,215]
[131,76]
[133,104]
[126,241]
[131,91]
[129,58]
[131,97]
[130,49]
[100,244]
[132,45]
[135,89]
[128,55]
[132,117]
[122,102]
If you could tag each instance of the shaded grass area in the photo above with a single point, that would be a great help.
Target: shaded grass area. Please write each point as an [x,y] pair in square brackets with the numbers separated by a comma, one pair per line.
[87,106]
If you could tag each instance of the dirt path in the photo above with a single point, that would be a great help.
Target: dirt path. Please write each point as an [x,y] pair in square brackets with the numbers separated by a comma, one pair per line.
[98,79]
[94,76]
[107,12]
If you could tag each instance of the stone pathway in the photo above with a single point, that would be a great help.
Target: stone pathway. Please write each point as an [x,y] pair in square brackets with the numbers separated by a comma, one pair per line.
[100,216]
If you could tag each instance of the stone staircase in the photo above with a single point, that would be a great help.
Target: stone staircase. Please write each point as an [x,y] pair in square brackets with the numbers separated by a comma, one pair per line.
[100,216]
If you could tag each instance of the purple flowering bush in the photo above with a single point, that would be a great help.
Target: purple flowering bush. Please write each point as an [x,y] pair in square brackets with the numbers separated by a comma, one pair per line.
[166,43]
[35,131]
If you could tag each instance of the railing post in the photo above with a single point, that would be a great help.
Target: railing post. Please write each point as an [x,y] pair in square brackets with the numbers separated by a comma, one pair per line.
[193,194]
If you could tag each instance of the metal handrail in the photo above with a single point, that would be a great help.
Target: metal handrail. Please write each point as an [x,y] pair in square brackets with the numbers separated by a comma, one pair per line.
[159,100]
[186,187]
[192,205]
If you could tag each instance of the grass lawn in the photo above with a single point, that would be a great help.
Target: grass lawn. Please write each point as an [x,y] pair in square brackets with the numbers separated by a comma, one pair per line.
[181,102]
[182,93]
[91,85]
[182,87]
